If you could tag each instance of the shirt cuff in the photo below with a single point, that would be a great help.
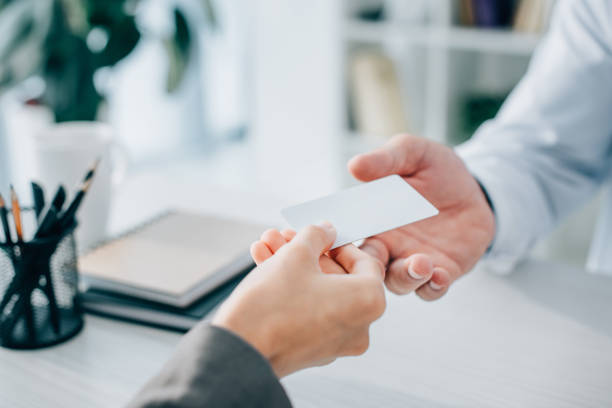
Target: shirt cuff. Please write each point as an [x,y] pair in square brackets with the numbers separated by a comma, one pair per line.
[507,249]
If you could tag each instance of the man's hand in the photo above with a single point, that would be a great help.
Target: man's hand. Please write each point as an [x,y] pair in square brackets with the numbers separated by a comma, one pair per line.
[296,315]
[429,255]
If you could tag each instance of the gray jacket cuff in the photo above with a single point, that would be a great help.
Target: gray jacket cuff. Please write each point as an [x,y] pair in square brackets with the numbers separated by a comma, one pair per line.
[213,367]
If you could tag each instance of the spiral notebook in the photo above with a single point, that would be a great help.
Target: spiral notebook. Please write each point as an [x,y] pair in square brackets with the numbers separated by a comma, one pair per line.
[174,259]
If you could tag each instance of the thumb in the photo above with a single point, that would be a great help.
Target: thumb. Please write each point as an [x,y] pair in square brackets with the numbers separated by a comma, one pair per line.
[317,239]
[402,155]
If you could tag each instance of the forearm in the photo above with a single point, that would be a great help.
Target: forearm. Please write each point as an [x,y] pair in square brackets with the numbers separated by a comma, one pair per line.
[213,367]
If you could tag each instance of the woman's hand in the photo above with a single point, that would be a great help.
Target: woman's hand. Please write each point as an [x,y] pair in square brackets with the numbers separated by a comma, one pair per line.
[296,315]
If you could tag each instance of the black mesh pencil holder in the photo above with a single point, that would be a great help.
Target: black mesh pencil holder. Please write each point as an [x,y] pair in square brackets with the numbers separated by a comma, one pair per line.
[38,292]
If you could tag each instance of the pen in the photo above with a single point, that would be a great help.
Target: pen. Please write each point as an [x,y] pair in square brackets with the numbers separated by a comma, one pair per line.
[50,218]
[38,196]
[59,198]
[5,223]
[46,226]
[16,209]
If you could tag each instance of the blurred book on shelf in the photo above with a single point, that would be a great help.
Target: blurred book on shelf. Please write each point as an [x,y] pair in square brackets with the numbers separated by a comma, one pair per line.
[466,13]
[529,16]
[493,13]
[532,16]
[377,107]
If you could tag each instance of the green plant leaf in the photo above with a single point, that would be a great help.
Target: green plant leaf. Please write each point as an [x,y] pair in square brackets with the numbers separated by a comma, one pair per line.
[177,65]
[4,3]
[123,38]
[108,13]
[178,49]
[16,24]
[70,91]
[23,29]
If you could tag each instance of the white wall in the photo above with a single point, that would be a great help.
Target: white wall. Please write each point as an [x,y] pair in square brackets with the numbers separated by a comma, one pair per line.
[297,94]
[4,165]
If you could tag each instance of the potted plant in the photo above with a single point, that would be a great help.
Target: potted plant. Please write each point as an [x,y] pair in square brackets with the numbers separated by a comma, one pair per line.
[65,42]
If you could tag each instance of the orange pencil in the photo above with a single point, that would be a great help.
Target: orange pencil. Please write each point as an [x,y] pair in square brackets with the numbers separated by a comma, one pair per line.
[16,209]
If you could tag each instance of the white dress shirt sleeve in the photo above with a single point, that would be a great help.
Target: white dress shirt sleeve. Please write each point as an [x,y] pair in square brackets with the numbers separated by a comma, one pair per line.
[550,147]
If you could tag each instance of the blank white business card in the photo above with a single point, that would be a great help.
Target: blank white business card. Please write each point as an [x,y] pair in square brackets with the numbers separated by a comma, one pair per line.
[364,210]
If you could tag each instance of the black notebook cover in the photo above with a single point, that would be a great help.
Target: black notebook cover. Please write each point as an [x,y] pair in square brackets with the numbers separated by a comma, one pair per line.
[127,308]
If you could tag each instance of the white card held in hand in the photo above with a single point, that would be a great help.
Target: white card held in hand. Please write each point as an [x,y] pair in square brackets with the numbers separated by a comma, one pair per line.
[365,210]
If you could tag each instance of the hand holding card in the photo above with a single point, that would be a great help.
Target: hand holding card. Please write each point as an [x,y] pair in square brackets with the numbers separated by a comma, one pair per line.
[443,247]
[364,210]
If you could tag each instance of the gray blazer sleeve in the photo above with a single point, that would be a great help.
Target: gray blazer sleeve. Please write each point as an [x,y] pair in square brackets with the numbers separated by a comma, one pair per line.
[213,367]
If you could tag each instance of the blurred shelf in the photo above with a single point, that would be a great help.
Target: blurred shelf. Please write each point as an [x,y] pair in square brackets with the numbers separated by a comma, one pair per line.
[453,38]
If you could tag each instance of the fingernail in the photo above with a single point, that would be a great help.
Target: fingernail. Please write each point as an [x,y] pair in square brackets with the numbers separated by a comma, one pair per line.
[411,271]
[434,285]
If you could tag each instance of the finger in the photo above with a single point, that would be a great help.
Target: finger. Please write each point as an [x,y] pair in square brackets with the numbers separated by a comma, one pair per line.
[402,155]
[260,252]
[288,234]
[358,262]
[329,266]
[406,275]
[437,285]
[273,239]
[316,239]
[376,248]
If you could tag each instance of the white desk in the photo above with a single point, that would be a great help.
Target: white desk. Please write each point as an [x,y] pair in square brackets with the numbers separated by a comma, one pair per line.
[540,337]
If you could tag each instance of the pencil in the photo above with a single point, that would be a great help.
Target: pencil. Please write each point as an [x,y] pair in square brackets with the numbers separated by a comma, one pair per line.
[92,170]
[67,217]
[16,215]
[5,224]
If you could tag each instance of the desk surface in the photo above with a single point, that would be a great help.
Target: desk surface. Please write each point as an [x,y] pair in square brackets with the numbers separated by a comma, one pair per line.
[539,337]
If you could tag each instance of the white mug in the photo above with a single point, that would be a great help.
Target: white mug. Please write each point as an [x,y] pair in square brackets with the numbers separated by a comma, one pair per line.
[62,155]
